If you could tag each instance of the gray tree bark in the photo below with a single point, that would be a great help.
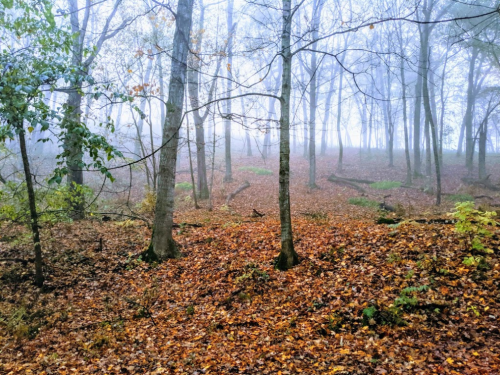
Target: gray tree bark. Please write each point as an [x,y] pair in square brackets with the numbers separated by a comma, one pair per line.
[194,78]
[288,257]
[162,244]
[231,29]
[32,206]
[72,144]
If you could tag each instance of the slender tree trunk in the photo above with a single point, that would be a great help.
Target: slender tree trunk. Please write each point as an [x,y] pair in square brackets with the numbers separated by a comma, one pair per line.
[443,106]
[469,138]
[191,163]
[429,117]
[428,157]
[405,123]
[328,105]
[33,213]
[417,163]
[390,123]
[248,139]
[288,257]
[339,118]
[231,29]
[313,78]
[482,149]
[142,107]
[162,244]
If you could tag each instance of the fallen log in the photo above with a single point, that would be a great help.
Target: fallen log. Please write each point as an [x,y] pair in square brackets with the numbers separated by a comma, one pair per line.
[231,196]
[355,180]
[485,182]
[188,225]
[397,220]
[344,182]
[256,213]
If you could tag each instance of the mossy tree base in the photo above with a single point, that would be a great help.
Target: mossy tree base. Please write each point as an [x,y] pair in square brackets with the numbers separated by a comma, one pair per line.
[171,251]
[288,258]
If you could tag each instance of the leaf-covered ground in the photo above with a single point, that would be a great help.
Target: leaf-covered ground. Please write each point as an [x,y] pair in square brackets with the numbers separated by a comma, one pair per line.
[366,298]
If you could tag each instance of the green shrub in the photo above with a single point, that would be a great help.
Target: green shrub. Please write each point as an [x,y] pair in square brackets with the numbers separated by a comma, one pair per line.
[385,185]
[53,202]
[407,298]
[257,170]
[460,198]
[186,186]
[253,272]
[390,316]
[363,202]
[472,225]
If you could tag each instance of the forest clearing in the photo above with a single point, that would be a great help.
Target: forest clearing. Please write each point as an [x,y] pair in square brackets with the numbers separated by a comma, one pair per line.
[365,298]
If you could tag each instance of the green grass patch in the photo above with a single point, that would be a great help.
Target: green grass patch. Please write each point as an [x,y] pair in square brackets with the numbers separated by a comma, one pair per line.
[363,202]
[385,185]
[460,198]
[257,170]
[186,186]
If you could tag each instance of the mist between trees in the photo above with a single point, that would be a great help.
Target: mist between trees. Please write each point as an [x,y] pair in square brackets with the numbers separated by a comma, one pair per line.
[143,91]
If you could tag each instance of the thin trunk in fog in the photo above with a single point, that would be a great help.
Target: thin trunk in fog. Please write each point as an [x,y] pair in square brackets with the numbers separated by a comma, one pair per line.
[389,120]
[194,81]
[162,244]
[417,169]
[193,186]
[428,157]
[339,118]
[304,113]
[231,29]
[405,119]
[72,142]
[483,136]
[469,112]
[443,106]
[149,175]
[429,118]
[328,105]
[248,139]
[288,257]
[483,128]
[142,107]
[313,78]
[271,114]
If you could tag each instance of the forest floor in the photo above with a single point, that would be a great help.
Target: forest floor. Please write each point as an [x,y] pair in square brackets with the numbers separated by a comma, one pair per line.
[366,298]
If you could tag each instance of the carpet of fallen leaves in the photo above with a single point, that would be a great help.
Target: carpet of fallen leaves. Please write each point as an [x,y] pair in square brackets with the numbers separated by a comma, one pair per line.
[224,309]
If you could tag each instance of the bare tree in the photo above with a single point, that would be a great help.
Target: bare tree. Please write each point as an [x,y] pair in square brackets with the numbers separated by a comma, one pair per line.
[162,244]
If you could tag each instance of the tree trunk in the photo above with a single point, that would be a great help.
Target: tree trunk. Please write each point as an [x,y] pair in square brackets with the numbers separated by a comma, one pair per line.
[428,158]
[33,214]
[405,122]
[142,107]
[482,149]
[288,257]
[328,104]
[469,137]
[339,118]
[248,139]
[162,244]
[417,163]
[228,177]
[428,112]
[72,145]
[313,78]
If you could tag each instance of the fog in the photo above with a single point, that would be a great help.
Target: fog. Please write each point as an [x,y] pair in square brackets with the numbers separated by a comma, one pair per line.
[361,73]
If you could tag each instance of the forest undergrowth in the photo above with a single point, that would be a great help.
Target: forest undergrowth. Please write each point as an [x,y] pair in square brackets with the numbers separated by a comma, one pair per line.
[406,298]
